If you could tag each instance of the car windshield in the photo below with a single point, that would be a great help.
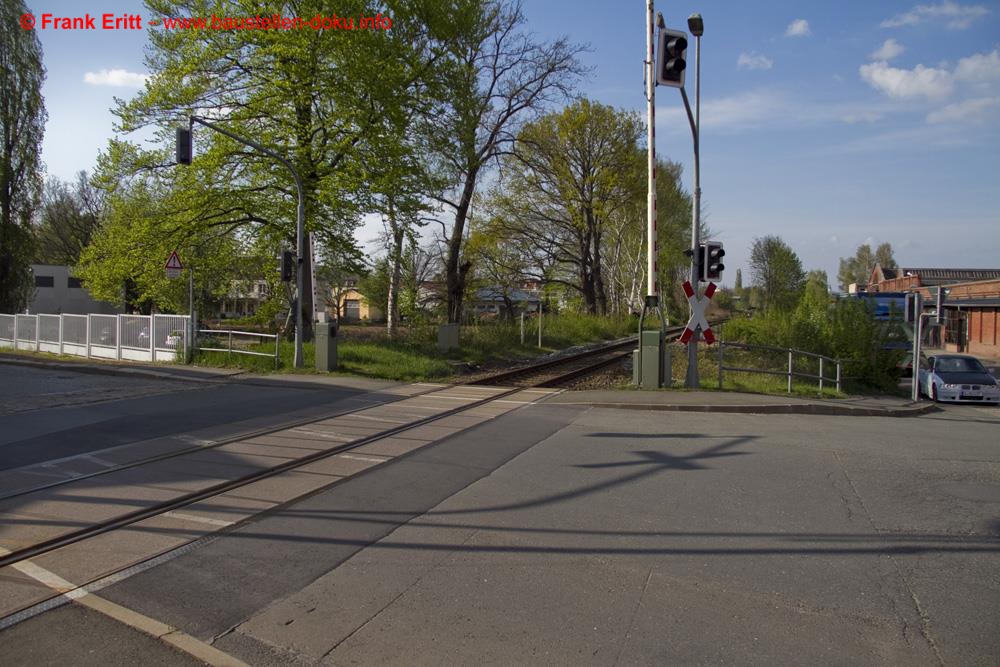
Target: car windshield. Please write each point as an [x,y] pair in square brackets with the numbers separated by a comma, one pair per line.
[959,365]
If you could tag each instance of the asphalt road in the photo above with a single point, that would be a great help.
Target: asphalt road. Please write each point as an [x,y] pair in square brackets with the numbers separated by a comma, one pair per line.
[52,414]
[566,535]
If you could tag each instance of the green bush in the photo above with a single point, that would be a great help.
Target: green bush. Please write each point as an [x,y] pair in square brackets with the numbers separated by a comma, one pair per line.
[845,330]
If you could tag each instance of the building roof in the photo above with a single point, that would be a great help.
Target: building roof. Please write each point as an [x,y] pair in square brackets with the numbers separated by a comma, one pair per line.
[930,277]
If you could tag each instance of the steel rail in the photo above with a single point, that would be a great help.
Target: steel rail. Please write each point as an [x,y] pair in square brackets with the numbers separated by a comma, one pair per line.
[194,449]
[129,518]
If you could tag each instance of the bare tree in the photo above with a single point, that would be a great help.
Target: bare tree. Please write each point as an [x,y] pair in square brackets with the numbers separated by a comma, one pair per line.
[499,79]
[69,217]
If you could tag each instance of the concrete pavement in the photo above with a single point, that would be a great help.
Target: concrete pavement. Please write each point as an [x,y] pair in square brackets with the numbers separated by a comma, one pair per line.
[565,534]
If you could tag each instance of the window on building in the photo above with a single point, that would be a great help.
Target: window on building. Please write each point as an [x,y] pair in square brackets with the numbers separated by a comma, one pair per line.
[73,282]
[45,281]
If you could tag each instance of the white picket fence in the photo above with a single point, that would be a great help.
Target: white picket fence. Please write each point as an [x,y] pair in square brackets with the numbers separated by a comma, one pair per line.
[123,337]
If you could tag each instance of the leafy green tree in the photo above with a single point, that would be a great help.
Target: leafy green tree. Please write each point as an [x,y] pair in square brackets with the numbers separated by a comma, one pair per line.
[778,272]
[498,77]
[69,216]
[321,98]
[124,261]
[858,269]
[374,285]
[673,227]
[815,300]
[22,124]
[338,263]
[571,174]
[499,264]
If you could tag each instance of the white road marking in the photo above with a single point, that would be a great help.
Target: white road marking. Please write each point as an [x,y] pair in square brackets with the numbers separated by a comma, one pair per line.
[161,631]
[368,459]
[99,461]
[323,434]
[199,519]
[381,419]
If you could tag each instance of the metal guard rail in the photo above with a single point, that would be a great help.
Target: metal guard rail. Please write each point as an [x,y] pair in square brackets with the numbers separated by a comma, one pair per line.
[229,333]
[791,373]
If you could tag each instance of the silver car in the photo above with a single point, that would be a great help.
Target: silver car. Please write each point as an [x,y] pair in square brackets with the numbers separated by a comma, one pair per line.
[958,377]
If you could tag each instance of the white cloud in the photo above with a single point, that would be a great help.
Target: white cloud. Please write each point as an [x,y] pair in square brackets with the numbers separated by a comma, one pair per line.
[119,78]
[921,139]
[754,60]
[889,50]
[855,117]
[958,17]
[976,110]
[767,108]
[928,82]
[970,85]
[798,28]
[980,70]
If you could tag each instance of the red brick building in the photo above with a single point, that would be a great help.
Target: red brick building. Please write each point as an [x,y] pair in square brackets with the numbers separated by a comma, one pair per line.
[906,280]
[971,305]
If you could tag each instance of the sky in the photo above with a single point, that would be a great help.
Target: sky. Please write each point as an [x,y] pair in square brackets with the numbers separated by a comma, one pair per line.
[827,124]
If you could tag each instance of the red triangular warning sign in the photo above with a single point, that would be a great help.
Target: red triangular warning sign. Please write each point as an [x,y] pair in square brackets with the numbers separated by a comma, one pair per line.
[174,262]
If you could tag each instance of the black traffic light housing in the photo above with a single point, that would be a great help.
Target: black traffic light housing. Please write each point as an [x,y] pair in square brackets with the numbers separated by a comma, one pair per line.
[671,58]
[184,149]
[711,266]
[287,266]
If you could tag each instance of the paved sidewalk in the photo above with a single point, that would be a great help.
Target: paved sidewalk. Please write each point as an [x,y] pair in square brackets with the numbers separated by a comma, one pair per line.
[731,401]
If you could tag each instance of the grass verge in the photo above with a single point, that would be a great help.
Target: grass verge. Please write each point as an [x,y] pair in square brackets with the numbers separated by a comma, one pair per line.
[415,357]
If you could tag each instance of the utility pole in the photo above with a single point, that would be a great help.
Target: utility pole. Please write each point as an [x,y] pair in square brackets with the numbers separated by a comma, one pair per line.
[652,289]
[697,28]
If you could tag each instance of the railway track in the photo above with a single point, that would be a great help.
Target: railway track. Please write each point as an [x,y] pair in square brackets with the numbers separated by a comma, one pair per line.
[464,406]
[562,370]
[547,374]
[350,430]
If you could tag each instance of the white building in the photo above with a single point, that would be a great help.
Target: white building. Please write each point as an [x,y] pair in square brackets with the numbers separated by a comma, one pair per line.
[57,292]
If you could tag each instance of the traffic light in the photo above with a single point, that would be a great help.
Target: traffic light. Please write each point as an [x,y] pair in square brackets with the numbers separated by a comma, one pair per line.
[711,261]
[287,266]
[184,148]
[671,58]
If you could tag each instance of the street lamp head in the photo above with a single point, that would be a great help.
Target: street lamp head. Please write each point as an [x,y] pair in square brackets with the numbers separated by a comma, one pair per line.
[696,25]
[660,23]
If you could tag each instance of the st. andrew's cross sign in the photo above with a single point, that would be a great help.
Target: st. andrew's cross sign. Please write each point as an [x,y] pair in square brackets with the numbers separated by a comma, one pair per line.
[698,313]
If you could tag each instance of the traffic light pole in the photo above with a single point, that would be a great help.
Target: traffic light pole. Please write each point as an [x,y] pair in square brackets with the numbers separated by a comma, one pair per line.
[692,380]
[300,227]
